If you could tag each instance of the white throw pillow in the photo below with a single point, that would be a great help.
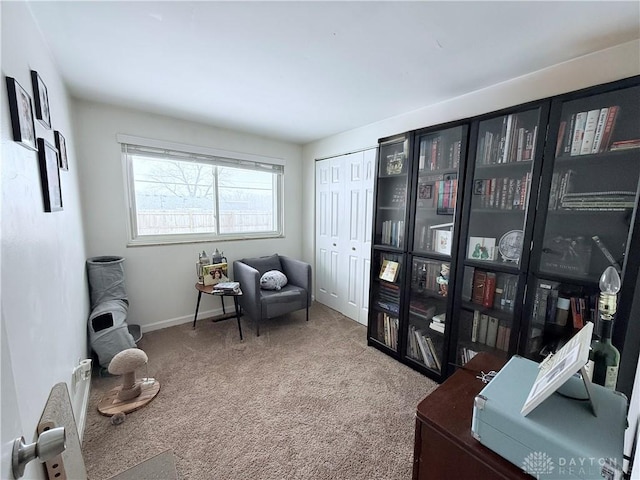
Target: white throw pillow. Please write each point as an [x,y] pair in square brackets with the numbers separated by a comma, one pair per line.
[273,280]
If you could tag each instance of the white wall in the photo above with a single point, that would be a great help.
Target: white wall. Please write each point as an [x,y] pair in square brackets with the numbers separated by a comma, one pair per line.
[600,67]
[160,279]
[44,293]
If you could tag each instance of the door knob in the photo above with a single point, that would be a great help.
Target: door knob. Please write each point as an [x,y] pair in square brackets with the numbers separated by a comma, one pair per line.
[49,444]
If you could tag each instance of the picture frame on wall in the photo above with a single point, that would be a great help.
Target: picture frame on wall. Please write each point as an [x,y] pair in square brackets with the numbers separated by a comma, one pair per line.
[41,96]
[49,176]
[61,145]
[21,112]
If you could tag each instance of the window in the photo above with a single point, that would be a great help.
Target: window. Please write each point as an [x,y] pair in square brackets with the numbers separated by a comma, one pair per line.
[177,196]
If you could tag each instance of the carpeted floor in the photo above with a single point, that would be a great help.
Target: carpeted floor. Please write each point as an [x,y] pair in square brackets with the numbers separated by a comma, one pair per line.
[305,400]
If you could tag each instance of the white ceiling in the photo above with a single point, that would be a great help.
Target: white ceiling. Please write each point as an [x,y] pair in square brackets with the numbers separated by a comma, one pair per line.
[301,71]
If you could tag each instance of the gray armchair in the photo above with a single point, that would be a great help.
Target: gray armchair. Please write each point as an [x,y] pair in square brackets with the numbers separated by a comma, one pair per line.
[262,304]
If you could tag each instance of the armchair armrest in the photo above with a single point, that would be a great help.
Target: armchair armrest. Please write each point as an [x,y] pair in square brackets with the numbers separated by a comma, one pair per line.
[249,279]
[298,273]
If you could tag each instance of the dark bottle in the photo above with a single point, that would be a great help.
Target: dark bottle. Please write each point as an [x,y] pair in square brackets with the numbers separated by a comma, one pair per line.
[605,358]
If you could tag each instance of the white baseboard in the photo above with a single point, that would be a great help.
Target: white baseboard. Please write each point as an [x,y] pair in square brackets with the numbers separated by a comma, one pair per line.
[171,322]
[80,389]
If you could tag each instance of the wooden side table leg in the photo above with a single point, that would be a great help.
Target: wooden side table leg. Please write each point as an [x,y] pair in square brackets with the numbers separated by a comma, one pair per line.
[195,317]
[235,303]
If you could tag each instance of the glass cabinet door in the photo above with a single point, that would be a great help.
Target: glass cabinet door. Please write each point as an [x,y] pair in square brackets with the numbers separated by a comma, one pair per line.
[391,194]
[427,312]
[493,253]
[386,298]
[588,215]
[501,187]
[439,155]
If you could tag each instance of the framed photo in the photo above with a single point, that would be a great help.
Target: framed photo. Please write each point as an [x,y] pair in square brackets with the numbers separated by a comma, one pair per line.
[61,145]
[24,131]
[215,273]
[41,99]
[425,191]
[49,176]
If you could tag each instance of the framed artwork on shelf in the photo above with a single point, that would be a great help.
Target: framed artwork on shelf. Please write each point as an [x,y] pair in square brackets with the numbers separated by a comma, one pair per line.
[49,176]
[41,99]
[61,145]
[21,113]
[481,248]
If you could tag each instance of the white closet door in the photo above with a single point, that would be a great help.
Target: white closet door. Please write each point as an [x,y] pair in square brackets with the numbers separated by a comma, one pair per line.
[350,282]
[344,210]
[369,172]
[329,200]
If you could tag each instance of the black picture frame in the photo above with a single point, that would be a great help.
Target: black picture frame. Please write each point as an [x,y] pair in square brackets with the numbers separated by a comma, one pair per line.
[21,112]
[41,97]
[61,145]
[49,176]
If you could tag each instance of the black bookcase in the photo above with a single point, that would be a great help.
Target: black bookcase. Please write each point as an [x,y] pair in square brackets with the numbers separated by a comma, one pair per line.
[586,221]
[493,224]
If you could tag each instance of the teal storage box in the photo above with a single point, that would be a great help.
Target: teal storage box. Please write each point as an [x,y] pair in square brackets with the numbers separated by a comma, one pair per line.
[560,438]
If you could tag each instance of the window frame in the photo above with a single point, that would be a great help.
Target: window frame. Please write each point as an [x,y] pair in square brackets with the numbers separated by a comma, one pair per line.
[131,145]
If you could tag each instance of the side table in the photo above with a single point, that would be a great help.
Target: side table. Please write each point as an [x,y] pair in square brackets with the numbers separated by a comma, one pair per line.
[209,291]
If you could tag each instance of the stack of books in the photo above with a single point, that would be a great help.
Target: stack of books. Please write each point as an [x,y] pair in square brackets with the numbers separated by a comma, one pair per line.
[227,287]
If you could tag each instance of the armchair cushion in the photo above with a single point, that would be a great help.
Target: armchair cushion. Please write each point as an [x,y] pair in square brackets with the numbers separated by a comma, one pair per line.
[264,264]
[273,280]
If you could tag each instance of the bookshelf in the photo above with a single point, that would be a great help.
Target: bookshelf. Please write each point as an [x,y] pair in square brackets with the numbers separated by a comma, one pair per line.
[501,226]
[587,221]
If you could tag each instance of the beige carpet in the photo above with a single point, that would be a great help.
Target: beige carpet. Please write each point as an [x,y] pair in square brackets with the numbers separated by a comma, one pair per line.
[305,400]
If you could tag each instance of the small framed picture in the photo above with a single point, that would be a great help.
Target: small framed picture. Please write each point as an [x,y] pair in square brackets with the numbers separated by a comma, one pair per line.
[425,191]
[49,176]
[41,99]
[24,131]
[61,145]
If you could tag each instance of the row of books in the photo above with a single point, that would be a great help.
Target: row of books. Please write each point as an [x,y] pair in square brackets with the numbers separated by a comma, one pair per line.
[599,201]
[435,154]
[515,142]
[441,194]
[491,290]
[466,354]
[389,297]
[420,346]
[505,193]
[226,287]
[490,331]
[553,307]
[588,132]
[561,184]
[388,330]
[393,233]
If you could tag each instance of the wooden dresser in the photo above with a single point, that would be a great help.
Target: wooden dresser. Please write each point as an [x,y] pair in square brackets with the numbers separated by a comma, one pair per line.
[444,447]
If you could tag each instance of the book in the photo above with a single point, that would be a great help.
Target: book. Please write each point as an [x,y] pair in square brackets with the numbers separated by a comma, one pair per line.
[597,138]
[482,328]
[589,131]
[475,325]
[389,270]
[489,290]
[227,287]
[578,133]
[492,331]
[612,116]
[437,326]
[479,280]
[434,353]
[424,350]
